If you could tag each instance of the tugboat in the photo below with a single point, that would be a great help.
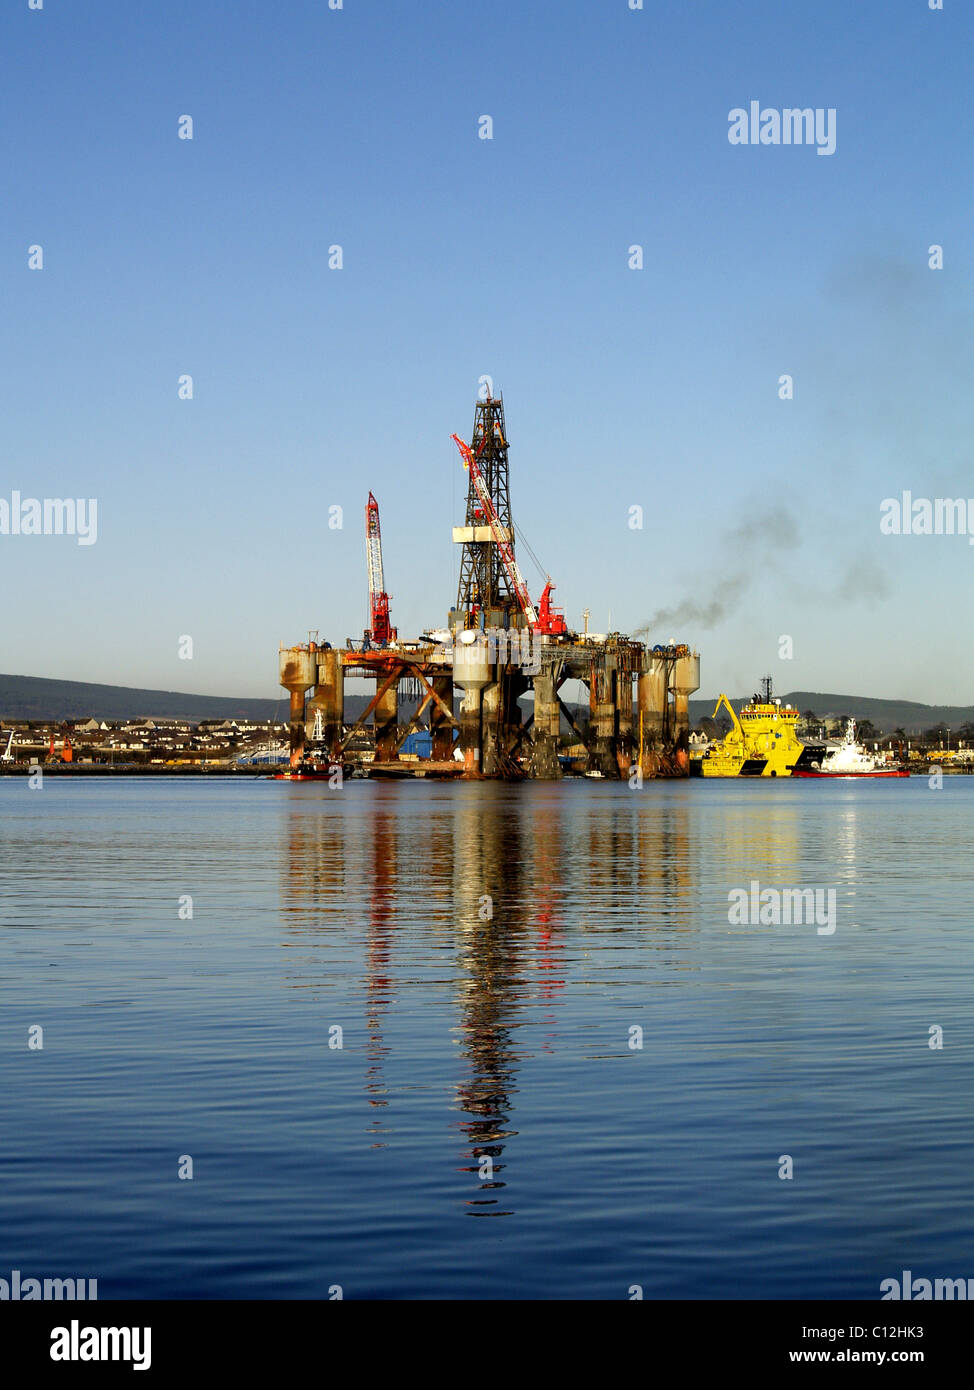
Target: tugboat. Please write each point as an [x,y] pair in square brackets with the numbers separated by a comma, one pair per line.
[761,743]
[315,763]
[311,769]
[850,759]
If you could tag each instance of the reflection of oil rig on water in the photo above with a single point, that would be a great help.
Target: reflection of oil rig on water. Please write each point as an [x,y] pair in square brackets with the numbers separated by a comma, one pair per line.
[497,647]
[412,890]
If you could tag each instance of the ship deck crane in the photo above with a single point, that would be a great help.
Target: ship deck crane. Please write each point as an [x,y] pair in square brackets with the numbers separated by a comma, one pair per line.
[380,630]
[542,619]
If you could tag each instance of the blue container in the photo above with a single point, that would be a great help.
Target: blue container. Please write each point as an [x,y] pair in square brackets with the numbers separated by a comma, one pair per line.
[420,743]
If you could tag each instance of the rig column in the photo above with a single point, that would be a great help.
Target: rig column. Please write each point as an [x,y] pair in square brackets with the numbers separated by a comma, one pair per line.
[470,731]
[686,679]
[297,725]
[681,715]
[471,671]
[490,722]
[624,753]
[651,696]
[298,673]
[601,756]
[547,726]
[329,697]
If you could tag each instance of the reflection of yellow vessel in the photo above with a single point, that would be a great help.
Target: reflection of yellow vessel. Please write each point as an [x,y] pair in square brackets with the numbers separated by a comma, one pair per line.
[761,743]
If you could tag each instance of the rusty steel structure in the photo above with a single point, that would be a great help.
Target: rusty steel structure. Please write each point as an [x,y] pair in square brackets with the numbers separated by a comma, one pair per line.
[638,705]
[486,594]
[490,688]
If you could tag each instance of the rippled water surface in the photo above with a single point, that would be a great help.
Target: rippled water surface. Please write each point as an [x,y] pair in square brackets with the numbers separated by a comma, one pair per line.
[487,952]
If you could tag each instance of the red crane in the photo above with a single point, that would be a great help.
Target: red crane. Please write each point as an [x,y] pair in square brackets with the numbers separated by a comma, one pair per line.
[380,630]
[544,619]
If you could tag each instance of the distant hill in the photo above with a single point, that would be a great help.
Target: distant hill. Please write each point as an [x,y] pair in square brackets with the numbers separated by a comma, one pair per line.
[886,715]
[35,697]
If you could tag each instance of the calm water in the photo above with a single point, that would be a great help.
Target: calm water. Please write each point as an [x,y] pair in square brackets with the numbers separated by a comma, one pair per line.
[466,1038]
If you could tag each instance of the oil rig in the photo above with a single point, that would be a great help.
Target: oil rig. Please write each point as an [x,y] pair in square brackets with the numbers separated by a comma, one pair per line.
[498,647]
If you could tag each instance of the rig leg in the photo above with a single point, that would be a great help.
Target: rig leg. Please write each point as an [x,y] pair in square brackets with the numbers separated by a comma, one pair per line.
[297,725]
[624,752]
[601,753]
[651,696]
[686,679]
[547,725]
[491,728]
[329,697]
[470,730]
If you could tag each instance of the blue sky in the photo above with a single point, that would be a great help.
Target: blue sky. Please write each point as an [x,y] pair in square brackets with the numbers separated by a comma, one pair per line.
[464,256]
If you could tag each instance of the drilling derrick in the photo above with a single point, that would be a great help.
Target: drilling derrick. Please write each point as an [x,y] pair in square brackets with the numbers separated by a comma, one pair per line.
[485,594]
[498,533]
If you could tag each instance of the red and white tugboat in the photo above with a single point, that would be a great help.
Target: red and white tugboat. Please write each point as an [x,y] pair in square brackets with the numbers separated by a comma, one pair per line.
[311,769]
[315,764]
[850,759]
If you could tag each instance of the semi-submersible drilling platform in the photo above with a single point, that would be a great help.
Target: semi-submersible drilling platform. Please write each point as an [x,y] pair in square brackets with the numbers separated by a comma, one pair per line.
[497,647]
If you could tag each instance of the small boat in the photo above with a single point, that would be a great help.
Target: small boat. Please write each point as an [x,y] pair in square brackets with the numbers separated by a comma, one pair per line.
[309,772]
[850,759]
[314,766]
[301,774]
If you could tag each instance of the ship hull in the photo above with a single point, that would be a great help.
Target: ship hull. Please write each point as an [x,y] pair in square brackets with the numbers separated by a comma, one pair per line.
[312,772]
[301,776]
[884,772]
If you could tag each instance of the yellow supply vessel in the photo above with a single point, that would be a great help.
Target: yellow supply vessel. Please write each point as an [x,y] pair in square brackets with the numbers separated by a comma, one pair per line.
[761,743]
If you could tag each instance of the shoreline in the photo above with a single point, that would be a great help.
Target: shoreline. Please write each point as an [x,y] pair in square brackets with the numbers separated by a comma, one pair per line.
[131,770]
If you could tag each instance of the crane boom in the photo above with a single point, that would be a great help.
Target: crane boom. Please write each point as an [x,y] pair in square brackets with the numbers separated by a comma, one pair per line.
[723,700]
[497,531]
[380,628]
[373,540]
